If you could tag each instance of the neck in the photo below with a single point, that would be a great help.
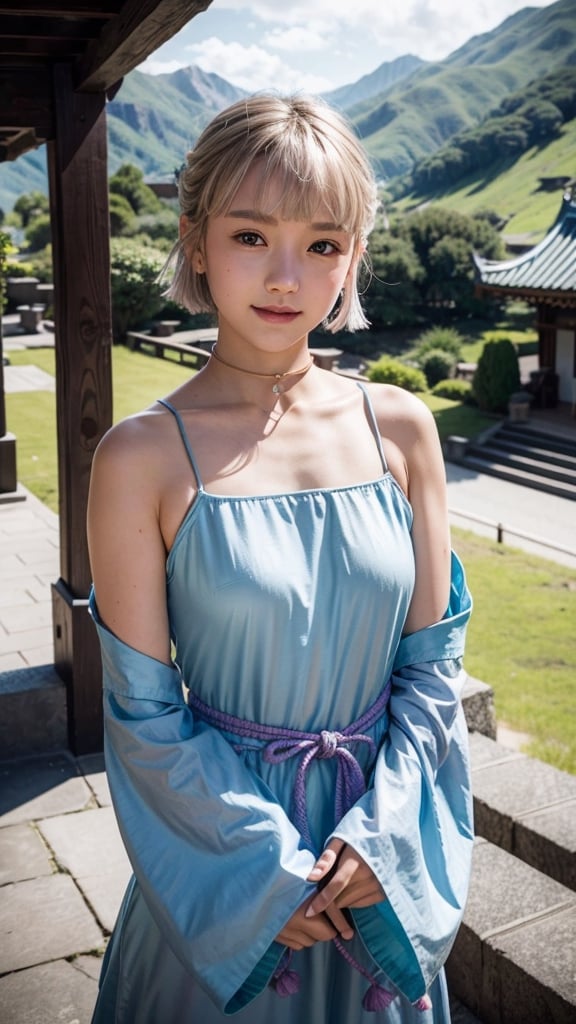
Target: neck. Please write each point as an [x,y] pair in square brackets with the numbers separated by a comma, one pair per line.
[277,379]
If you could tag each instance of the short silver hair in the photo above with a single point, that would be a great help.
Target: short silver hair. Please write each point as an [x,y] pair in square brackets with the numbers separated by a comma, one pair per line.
[316,156]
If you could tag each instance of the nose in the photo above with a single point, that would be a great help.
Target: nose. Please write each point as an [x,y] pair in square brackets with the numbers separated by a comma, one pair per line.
[283,275]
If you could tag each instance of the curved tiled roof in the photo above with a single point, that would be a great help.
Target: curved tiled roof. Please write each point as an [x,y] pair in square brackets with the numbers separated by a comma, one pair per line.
[550,267]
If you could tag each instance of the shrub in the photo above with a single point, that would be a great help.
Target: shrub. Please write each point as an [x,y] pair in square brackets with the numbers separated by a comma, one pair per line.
[38,234]
[392,371]
[497,376]
[121,214]
[136,293]
[436,365]
[454,390]
[445,338]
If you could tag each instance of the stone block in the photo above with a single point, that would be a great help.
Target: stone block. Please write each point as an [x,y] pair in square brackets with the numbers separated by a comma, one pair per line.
[486,751]
[44,919]
[22,854]
[528,973]
[506,896]
[506,791]
[547,840]
[58,991]
[89,846]
[93,769]
[478,704]
[32,711]
[40,787]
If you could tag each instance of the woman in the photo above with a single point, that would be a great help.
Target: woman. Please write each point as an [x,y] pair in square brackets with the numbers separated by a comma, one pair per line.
[275,537]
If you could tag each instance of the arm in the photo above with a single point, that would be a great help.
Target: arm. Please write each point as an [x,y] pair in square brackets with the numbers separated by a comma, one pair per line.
[410,836]
[182,796]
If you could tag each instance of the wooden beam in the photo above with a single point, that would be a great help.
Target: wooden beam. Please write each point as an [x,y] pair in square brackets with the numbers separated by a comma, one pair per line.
[21,142]
[20,27]
[26,100]
[77,164]
[81,9]
[140,28]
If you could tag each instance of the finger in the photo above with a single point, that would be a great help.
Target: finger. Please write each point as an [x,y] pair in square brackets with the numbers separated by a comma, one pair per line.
[340,922]
[360,894]
[334,887]
[326,860]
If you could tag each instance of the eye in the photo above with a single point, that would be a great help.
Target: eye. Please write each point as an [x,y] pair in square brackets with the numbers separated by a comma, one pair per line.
[324,248]
[249,238]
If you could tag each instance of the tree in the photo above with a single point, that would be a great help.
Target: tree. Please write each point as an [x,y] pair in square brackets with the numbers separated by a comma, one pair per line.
[31,205]
[38,234]
[129,182]
[393,292]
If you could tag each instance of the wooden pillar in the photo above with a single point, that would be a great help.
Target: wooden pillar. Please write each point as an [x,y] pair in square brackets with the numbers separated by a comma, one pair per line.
[77,166]
[546,337]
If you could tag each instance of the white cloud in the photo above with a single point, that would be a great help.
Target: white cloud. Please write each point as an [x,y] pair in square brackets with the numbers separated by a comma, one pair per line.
[297,39]
[252,67]
[430,28]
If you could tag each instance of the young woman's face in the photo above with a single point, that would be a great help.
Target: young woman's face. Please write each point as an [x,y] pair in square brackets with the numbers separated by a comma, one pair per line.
[272,280]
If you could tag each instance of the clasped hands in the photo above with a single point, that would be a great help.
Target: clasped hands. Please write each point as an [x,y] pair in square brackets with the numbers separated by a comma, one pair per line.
[345,881]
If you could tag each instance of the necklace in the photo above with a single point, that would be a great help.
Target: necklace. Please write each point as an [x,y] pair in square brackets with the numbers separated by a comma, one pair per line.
[276,377]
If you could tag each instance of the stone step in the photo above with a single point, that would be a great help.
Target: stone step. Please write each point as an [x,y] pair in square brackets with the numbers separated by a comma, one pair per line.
[526,807]
[519,476]
[508,442]
[32,712]
[513,959]
[522,458]
[534,438]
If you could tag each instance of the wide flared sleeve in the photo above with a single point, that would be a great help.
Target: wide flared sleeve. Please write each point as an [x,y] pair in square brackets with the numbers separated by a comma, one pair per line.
[414,825]
[219,863]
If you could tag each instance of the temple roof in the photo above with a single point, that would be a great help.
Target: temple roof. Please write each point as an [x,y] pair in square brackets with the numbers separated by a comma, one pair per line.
[545,273]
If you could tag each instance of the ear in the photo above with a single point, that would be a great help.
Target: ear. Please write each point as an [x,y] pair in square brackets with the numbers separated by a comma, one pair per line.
[194,255]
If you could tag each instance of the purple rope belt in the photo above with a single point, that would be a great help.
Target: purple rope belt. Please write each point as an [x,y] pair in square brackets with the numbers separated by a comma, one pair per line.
[282,744]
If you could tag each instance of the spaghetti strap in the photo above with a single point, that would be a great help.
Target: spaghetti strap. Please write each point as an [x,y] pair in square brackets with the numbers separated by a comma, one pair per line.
[374,424]
[185,441]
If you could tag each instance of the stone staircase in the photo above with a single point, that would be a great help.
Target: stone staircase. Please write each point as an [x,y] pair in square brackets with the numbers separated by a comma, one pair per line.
[514,957]
[524,454]
[513,960]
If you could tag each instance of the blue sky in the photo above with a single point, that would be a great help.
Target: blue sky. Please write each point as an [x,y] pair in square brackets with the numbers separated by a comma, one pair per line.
[317,45]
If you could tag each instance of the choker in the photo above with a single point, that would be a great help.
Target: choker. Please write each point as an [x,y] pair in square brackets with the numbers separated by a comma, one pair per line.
[276,377]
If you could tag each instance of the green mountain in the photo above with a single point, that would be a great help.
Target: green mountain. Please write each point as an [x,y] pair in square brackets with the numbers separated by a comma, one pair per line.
[404,111]
[416,117]
[376,83]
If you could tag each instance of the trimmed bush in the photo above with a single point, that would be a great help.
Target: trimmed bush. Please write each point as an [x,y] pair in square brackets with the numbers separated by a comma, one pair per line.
[497,376]
[454,390]
[392,371]
[437,365]
[445,338]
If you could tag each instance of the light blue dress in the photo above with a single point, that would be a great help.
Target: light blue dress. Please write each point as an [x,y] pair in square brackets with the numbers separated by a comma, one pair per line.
[286,610]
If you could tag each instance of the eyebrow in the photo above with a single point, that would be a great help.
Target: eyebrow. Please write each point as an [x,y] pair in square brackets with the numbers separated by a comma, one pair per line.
[266,218]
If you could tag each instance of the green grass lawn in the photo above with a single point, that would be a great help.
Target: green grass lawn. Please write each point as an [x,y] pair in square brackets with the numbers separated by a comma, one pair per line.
[521,638]
[521,642]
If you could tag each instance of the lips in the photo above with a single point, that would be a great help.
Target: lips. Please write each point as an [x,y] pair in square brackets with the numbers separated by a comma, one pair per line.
[276,314]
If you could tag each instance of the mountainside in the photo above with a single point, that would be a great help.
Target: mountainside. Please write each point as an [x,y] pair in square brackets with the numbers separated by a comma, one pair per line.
[416,117]
[152,122]
[376,83]
[404,111]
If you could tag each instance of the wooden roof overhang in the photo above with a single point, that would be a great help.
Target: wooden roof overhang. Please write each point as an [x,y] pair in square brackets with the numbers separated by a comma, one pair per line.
[59,61]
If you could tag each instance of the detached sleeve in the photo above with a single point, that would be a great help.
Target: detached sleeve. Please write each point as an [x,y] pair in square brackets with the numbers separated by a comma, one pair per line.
[414,825]
[220,865]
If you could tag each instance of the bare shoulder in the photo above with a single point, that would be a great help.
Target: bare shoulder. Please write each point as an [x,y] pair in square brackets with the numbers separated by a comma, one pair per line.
[135,442]
[402,416]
